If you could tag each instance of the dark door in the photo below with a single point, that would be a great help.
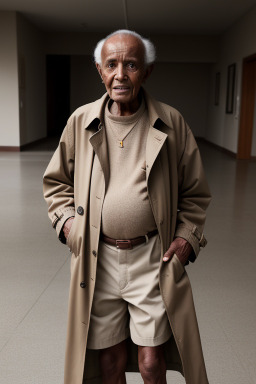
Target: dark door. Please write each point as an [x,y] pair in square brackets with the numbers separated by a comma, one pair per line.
[58,93]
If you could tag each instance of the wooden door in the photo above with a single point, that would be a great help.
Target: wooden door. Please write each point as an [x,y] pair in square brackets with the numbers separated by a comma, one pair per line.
[247,108]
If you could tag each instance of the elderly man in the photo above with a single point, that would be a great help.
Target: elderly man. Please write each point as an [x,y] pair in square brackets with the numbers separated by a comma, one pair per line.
[126,191]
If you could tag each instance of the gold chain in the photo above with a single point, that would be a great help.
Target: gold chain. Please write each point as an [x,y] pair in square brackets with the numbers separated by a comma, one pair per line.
[121,142]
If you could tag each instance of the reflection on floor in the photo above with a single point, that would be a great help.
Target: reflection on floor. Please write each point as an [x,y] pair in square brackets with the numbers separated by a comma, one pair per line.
[34,275]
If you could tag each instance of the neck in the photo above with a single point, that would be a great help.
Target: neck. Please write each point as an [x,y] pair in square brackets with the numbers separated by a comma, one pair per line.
[121,109]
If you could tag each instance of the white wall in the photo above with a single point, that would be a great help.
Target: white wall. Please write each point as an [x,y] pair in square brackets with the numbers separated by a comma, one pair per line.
[237,43]
[9,99]
[32,82]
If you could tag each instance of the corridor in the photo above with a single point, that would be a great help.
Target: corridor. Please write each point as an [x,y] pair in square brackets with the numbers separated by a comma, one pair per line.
[34,274]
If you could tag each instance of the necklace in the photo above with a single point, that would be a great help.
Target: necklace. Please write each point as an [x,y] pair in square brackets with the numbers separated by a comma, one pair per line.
[121,141]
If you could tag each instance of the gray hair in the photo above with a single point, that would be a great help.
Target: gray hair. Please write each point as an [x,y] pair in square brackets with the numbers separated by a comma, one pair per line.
[150,51]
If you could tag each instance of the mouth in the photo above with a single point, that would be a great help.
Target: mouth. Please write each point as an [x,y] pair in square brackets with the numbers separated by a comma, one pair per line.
[120,90]
[121,87]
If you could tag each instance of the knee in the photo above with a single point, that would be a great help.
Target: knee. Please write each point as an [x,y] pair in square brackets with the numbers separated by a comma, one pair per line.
[152,366]
[112,364]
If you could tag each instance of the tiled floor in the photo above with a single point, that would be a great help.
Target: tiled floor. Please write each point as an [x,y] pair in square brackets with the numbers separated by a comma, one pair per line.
[34,275]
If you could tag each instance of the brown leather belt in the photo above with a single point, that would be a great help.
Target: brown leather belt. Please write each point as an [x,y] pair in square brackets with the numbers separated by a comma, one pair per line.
[128,244]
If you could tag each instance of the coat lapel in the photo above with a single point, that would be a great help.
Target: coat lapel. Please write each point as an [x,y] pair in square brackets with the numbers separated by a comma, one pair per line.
[155,141]
[99,144]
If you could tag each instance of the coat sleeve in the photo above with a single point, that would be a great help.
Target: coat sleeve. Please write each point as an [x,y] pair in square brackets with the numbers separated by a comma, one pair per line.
[193,194]
[58,182]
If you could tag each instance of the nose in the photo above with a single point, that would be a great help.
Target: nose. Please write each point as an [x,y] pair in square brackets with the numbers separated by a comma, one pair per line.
[120,73]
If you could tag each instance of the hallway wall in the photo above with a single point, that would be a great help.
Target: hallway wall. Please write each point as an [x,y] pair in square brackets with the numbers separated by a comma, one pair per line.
[9,99]
[32,81]
[180,77]
[25,46]
[254,132]
[185,86]
[85,84]
[170,48]
[237,43]
[22,79]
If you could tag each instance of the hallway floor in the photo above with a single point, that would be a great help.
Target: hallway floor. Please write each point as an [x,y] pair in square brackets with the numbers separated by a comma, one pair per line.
[34,275]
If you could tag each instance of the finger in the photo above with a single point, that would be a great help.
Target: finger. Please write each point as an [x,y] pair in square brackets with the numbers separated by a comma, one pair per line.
[168,254]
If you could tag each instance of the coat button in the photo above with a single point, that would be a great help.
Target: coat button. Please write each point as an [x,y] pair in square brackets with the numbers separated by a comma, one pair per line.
[82,284]
[94,253]
[80,210]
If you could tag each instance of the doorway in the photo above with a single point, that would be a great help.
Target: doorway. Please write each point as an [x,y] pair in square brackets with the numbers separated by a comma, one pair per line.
[247,116]
[58,93]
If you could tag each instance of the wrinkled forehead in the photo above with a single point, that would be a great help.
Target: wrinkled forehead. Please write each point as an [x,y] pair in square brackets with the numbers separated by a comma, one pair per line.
[126,45]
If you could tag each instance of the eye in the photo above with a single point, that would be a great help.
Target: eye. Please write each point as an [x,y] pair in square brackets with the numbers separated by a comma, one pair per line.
[110,65]
[131,65]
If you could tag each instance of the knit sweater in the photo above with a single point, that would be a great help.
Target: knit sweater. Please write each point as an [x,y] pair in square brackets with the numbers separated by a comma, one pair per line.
[126,210]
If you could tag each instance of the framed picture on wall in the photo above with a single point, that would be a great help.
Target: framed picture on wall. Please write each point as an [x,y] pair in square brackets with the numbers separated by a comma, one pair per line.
[230,88]
[217,89]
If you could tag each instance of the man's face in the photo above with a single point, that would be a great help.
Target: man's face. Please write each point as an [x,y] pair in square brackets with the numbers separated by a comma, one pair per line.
[122,68]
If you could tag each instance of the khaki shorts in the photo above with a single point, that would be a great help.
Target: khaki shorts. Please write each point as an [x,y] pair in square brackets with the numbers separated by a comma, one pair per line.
[127,300]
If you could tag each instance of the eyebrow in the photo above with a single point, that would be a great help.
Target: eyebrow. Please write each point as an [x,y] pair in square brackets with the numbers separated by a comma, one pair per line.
[125,61]
[110,60]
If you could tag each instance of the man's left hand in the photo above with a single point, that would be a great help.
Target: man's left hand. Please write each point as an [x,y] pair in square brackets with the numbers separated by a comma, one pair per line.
[181,248]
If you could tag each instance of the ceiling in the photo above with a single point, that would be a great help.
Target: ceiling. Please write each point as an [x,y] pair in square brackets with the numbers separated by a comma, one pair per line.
[210,17]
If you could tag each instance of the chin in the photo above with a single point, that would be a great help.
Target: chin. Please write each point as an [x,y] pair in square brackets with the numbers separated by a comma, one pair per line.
[122,100]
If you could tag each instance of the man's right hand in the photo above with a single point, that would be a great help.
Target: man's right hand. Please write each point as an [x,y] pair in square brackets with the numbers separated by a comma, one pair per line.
[67,226]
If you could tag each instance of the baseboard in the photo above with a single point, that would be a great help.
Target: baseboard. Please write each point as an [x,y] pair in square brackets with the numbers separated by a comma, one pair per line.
[23,147]
[4,148]
[27,146]
[216,146]
[30,145]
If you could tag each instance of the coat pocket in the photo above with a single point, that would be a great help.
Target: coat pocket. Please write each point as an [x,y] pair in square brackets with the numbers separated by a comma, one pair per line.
[71,238]
[178,268]
[173,274]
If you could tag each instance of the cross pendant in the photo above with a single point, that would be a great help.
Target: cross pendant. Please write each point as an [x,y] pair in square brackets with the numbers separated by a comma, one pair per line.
[121,144]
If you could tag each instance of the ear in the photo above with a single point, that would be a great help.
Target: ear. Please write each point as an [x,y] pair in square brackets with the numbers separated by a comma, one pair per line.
[148,72]
[99,69]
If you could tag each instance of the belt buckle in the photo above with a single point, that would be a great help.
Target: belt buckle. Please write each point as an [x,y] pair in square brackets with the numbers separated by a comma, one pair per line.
[124,244]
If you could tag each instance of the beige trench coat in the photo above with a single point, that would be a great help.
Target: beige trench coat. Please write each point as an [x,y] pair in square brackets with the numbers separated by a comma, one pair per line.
[74,185]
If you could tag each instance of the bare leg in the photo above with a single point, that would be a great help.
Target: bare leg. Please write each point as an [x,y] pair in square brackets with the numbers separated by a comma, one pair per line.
[113,363]
[152,364]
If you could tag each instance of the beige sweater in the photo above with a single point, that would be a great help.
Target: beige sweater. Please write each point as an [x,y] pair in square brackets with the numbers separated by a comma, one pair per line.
[126,210]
